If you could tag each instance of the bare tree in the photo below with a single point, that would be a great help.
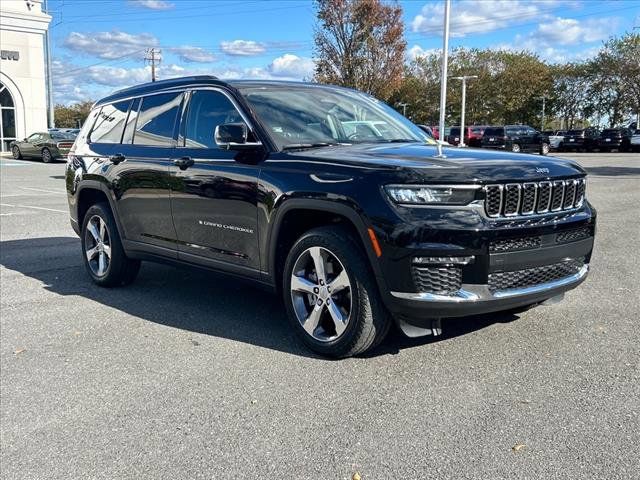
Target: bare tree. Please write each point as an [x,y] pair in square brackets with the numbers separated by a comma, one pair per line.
[360,44]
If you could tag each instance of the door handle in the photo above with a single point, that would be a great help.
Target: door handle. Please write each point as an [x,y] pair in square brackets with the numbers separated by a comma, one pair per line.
[183,163]
[117,158]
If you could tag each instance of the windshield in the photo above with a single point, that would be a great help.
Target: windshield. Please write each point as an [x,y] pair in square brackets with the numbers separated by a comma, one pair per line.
[308,116]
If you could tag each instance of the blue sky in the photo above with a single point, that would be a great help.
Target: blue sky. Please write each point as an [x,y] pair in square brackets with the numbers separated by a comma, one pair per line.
[99,45]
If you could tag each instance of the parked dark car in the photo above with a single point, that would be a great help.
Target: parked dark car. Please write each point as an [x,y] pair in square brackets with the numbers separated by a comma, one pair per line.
[585,139]
[472,137]
[516,138]
[259,180]
[615,139]
[47,146]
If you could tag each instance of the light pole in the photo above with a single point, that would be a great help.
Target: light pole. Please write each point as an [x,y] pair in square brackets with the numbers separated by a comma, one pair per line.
[404,108]
[544,100]
[443,75]
[464,102]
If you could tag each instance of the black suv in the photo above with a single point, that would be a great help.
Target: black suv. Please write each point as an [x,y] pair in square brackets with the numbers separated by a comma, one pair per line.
[585,139]
[615,139]
[356,230]
[516,138]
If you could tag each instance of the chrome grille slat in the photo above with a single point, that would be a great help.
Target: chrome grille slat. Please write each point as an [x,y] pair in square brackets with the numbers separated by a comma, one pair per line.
[530,198]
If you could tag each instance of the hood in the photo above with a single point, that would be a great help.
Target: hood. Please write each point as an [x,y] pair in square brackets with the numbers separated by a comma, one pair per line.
[460,164]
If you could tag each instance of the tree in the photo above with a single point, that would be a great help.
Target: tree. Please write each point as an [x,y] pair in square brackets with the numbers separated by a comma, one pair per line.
[72,116]
[360,44]
[571,100]
[615,75]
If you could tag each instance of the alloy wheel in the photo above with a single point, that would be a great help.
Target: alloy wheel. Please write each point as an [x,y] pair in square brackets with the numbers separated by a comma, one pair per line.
[321,294]
[545,148]
[46,156]
[97,244]
[515,148]
[16,152]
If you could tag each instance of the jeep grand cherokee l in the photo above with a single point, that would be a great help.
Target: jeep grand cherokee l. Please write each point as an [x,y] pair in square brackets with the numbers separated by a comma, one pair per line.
[261,180]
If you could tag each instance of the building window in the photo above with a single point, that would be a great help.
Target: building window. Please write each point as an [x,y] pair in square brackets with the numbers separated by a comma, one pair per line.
[7,118]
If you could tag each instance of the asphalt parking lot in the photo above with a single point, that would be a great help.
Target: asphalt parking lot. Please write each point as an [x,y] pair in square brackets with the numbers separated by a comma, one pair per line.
[187,374]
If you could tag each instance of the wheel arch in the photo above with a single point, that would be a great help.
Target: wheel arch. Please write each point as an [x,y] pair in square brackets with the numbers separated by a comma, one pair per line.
[297,216]
[91,192]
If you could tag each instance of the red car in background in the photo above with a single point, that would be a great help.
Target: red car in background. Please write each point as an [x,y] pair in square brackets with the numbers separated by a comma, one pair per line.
[472,136]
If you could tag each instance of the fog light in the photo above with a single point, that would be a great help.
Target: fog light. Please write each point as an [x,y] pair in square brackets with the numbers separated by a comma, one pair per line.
[443,260]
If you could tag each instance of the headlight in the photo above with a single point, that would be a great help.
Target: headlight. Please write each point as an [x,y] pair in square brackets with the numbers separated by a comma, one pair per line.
[432,194]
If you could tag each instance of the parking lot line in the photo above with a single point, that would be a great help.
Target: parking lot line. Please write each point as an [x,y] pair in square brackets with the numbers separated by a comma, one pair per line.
[31,206]
[57,192]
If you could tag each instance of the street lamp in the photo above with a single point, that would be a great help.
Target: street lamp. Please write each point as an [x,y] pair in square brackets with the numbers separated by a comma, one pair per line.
[443,75]
[464,100]
[404,108]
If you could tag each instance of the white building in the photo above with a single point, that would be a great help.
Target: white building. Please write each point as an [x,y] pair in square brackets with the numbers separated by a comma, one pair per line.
[23,82]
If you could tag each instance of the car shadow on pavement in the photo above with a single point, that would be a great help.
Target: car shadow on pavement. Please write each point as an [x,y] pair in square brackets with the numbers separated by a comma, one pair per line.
[191,299]
[607,171]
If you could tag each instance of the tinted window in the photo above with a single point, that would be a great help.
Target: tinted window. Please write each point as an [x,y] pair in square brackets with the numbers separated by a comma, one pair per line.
[514,131]
[157,119]
[130,126]
[455,131]
[610,132]
[109,124]
[477,130]
[498,132]
[207,110]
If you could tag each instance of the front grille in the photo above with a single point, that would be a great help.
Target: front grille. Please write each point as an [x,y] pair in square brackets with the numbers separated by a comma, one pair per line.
[522,199]
[437,280]
[511,244]
[534,276]
[573,235]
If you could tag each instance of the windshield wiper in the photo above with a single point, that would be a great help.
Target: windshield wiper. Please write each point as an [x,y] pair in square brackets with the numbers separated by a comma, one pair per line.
[298,146]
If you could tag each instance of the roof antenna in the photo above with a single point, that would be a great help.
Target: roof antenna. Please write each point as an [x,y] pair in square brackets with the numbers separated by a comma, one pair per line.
[443,78]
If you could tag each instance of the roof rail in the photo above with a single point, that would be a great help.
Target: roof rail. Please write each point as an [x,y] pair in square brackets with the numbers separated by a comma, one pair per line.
[167,82]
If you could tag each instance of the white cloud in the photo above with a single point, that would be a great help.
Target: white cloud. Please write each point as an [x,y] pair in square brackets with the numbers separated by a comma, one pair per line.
[417,51]
[190,54]
[479,16]
[243,48]
[291,66]
[109,45]
[153,4]
[570,31]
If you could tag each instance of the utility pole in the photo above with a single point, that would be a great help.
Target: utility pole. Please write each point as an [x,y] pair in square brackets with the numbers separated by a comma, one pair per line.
[544,99]
[152,56]
[443,74]
[464,103]
[404,108]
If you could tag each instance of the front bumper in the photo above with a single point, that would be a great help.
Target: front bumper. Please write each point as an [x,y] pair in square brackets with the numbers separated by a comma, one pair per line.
[534,270]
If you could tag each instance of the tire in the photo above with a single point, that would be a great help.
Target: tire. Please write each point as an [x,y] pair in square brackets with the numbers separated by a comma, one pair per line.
[46,155]
[544,149]
[102,251]
[515,148]
[345,263]
[15,151]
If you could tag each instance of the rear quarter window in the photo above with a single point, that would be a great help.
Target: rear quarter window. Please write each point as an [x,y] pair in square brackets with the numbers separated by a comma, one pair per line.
[110,123]
[495,132]
[157,119]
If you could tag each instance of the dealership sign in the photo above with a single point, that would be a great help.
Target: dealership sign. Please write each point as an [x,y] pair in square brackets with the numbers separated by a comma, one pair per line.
[9,55]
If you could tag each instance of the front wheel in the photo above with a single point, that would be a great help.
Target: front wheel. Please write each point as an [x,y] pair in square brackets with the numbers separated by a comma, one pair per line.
[515,148]
[331,297]
[46,155]
[15,151]
[102,251]
[544,149]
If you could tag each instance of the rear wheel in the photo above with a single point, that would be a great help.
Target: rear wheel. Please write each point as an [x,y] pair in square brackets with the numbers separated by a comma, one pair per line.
[515,148]
[331,297]
[46,155]
[15,151]
[544,149]
[104,256]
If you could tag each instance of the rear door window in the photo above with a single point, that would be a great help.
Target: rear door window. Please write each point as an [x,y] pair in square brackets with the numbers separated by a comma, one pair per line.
[157,120]
[494,132]
[110,122]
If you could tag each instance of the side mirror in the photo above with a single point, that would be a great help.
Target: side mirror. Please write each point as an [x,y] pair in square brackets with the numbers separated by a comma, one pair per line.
[233,136]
